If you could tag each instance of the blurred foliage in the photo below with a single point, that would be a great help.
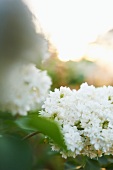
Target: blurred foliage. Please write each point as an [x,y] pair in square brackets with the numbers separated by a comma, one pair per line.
[22,151]
[14,153]
[73,74]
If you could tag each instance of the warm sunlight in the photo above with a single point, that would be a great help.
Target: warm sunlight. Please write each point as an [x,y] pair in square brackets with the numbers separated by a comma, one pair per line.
[100,54]
[72,25]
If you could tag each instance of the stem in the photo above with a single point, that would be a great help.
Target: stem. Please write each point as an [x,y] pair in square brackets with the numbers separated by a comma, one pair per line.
[30,135]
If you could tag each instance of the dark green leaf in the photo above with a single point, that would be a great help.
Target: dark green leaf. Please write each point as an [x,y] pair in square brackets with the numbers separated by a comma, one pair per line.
[43,125]
[72,167]
[103,161]
[92,165]
[109,167]
[15,154]
[69,167]
[75,163]
[110,159]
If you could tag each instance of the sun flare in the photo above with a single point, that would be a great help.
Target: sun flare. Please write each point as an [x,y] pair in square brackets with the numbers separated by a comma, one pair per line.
[72,25]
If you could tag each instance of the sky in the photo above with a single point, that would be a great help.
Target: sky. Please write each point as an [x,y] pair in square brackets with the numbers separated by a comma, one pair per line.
[72,26]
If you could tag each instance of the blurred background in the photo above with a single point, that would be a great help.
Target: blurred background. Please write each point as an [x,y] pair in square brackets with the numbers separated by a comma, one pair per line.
[81,40]
[80,37]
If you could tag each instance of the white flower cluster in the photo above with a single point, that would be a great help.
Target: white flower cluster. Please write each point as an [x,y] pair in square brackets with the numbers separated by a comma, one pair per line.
[85,118]
[23,88]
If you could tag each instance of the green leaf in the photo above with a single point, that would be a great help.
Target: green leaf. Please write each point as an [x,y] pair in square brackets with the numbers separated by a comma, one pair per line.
[15,154]
[75,163]
[92,164]
[72,167]
[103,161]
[110,167]
[45,126]
[110,159]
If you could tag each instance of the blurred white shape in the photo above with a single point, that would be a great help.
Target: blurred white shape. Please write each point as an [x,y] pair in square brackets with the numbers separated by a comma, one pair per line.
[23,88]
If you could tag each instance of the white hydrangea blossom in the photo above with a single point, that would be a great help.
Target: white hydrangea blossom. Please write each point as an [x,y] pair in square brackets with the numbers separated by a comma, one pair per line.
[23,88]
[85,118]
